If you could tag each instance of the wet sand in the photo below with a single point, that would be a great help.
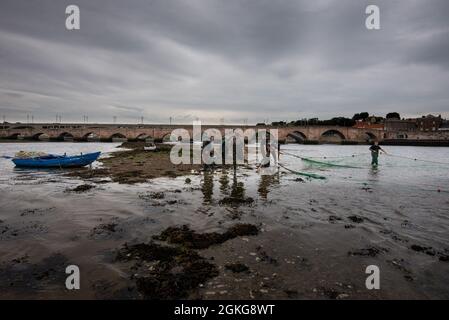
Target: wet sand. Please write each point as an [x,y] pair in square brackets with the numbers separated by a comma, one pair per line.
[217,234]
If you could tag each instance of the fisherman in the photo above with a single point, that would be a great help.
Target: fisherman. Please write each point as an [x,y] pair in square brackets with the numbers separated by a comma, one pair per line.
[375,148]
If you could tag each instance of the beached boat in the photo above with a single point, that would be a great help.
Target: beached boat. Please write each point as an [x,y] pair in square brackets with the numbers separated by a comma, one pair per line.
[56,161]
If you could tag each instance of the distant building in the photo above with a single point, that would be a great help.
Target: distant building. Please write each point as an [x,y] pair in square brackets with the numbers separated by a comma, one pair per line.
[372,122]
[400,125]
[444,126]
[368,125]
[429,123]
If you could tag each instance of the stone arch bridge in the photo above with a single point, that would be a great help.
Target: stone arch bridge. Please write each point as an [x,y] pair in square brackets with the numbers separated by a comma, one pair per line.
[122,132]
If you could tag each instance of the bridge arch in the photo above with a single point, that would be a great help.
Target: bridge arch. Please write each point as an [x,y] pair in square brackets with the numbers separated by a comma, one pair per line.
[332,135]
[369,136]
[296,136]
[166,137]
[66,136]
[118,137]
[40,136]
[143,137]
[91,136]
[16,136]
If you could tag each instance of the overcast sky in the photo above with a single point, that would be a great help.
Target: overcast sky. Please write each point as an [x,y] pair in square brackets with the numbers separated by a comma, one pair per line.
[222,59]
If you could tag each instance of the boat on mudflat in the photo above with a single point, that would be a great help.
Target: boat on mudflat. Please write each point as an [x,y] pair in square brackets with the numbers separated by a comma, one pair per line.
[56,161]
[150,147]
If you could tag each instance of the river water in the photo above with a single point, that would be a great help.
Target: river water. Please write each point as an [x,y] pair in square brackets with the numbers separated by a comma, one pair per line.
[318,236]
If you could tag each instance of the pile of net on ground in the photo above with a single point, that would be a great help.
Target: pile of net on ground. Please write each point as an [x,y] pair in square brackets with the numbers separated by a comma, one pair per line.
[30,154]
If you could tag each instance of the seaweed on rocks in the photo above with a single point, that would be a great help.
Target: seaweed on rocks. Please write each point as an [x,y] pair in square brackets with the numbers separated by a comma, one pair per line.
[172,272]
[427,250]
[148,252]
[333,219]
[431,252]
[175,272]
[106,231]
[356,219]
[370,251]
[191,239]
[157,195]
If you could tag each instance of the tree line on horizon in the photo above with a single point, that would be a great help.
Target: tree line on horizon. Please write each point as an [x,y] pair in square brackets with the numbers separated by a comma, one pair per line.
[336,121]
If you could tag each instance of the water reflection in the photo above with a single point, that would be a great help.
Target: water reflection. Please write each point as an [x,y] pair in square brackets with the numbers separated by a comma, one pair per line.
[373,172]
[207,187]
[224,181]
[238,188]
[265,184]
[40,171]
[233,187]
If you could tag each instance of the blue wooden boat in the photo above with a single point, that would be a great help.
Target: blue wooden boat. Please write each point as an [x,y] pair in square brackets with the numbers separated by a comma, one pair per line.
[57,161]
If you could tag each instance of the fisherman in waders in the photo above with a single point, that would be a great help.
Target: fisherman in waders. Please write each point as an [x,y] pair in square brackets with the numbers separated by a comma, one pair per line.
[375,148]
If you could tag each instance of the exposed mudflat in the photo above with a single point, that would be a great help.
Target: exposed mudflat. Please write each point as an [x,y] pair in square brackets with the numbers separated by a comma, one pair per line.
[136,165]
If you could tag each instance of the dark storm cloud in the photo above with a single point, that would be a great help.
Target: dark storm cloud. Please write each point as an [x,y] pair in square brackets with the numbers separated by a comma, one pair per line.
[213,59]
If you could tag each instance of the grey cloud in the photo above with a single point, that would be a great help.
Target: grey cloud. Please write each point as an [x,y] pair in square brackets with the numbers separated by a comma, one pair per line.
[236,59]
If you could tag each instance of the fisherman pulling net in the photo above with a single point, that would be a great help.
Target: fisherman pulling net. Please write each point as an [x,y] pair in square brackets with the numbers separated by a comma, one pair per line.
[356,160]
[268,154]
[375,149]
